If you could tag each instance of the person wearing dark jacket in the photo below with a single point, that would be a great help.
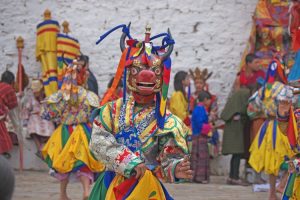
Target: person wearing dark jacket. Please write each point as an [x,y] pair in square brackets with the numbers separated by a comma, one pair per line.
[235,117]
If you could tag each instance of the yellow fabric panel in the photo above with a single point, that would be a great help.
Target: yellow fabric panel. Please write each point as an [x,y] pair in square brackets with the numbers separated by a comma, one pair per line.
[46,41]
[128,110]
[69,49]
[118,103]
[179,130]
[266,157]
[53,146]
[105,117]
[179,105]
[147,188]
[76,148]
[70,46]
[49,70]
[148,185]
[174,126]
[68,40]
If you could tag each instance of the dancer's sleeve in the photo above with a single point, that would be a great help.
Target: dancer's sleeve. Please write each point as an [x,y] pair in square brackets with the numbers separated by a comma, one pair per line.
[117,157]
[170,154]
[255,105]
[53,107]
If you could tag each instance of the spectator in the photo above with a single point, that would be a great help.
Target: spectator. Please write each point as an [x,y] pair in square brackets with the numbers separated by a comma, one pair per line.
[201,128]
[235,117]
[179,99]
[8,101]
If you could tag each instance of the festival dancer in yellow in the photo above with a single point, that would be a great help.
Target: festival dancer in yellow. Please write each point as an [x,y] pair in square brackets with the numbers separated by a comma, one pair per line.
[67,152]
[270,146]
[46,52]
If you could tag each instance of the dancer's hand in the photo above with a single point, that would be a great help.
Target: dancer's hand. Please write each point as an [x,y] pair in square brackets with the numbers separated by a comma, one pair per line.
[292,168]
[183,169]
[140,171]
[284,108]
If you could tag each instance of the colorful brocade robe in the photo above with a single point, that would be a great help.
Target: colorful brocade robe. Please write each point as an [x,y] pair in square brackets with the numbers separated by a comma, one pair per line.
[270,146]
[67,150]
[125,135]
[292,188]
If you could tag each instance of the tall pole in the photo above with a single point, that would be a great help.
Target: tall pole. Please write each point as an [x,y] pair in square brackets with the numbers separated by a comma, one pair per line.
[20,46]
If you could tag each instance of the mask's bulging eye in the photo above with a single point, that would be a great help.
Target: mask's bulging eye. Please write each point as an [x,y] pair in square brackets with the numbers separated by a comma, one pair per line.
[273,66]
[133,71]
[157,71]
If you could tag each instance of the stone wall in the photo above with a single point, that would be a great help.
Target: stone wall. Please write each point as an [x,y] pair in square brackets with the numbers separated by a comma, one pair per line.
[210,34]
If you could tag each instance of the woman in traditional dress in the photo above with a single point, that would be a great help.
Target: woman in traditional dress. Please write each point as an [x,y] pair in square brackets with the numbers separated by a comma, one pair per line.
[179,103]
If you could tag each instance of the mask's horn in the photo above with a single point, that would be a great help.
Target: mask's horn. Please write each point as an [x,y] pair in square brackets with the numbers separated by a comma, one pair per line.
[170,49]
[122,39]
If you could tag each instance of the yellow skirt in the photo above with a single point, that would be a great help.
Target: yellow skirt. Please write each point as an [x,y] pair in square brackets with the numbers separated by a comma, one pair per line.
[267,153]
[148,187]
[65,152]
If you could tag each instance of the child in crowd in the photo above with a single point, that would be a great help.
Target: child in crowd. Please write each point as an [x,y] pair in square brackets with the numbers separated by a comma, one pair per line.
[201,129]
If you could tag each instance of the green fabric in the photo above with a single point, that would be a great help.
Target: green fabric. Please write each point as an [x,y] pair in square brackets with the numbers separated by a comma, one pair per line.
[99,190]
[233,137]
[236,103]
[131,165]
[64,138]
[101,118]
[64,135]
[284,166]
[290,185]
[165,90]
[60,64]
[48,161]
[88,136]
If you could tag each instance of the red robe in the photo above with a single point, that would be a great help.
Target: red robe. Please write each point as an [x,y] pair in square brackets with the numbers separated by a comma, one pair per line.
[249,80]
[8,101]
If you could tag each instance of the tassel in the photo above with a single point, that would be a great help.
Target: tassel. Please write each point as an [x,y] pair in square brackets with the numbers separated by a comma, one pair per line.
[124,85]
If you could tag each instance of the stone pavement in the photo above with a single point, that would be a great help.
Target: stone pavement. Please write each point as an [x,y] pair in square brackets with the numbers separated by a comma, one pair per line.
[33,185]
